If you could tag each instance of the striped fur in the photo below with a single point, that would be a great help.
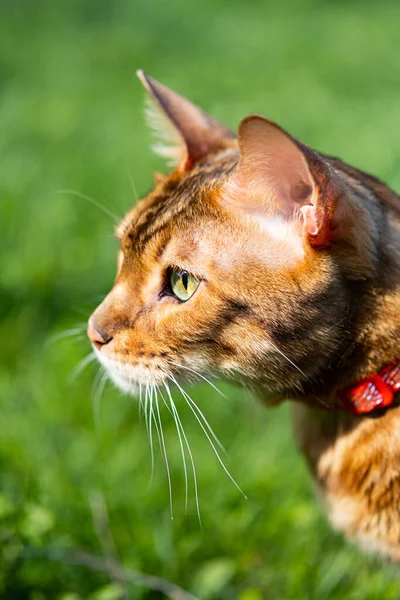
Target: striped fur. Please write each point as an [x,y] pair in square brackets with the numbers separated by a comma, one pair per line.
[272,310]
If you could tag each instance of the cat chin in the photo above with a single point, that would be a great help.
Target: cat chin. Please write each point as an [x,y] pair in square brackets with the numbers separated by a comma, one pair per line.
[128,378]
[124,384]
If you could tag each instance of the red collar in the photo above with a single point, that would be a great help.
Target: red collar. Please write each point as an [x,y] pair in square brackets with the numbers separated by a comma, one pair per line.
[373,392]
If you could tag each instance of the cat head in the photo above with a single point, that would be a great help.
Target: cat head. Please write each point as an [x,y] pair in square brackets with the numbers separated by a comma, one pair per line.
[238,262]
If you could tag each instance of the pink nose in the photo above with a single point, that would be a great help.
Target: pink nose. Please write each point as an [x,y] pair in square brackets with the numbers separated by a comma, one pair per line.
[97,338]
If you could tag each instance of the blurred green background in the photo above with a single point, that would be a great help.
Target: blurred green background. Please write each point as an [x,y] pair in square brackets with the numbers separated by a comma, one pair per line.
[71,118]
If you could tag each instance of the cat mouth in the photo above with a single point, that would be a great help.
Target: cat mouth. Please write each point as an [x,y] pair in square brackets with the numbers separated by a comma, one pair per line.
[130,377]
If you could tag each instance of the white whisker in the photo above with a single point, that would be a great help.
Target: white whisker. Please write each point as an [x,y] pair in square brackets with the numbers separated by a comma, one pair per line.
[189,402]
[73,332]
[97,394]
[96,203]
[178,420]
[286,357]
[133,186]
[81,366]
[207,424]
[201,377]
[163,448]
[140,401]
[149,422]
[181,446]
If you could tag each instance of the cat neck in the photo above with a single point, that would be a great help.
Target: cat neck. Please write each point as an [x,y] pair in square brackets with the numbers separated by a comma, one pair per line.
[375,339]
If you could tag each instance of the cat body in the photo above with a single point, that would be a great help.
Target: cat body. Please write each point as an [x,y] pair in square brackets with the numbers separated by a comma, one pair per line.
[356,463]
[265,262]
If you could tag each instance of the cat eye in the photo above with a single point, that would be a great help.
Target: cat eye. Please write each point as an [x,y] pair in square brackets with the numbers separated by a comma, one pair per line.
[183,284]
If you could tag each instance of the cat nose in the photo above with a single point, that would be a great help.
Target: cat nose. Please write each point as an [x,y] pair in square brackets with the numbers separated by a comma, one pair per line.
[98,337]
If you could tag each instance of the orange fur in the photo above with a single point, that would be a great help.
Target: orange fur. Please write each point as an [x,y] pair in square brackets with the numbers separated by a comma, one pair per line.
[298,257]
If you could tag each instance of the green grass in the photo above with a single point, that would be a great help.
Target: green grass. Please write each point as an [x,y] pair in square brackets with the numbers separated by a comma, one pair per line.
[71,118]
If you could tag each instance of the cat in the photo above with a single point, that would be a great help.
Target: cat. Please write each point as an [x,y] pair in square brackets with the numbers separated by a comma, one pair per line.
[265,262]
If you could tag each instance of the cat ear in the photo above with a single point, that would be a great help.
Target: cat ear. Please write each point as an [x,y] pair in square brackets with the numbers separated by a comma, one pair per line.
[280,175]
[188,134]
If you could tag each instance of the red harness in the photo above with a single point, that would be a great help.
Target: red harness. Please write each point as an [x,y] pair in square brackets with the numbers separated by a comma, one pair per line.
[373,392]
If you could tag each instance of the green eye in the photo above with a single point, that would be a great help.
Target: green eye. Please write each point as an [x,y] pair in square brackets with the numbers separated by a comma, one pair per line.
[183,284]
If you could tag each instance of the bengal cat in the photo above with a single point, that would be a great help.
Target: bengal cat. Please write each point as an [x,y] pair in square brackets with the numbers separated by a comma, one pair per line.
[260,260]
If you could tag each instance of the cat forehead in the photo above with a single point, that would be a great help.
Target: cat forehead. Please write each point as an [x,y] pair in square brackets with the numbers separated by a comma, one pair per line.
[176,195]
[214,236]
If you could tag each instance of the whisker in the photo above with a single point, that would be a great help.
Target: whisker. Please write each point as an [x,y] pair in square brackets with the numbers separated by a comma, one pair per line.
[189,402]
[207,424]
[97,395]
[163,399]
[81,366]
[149,423]
[196,492]
[96,379]
[96,203]
[146,417]
[77,338]
[182,450]
[133,186]
[164,449]
[201,377]
[140,401]
[73,332]
[337,324]
[286,357]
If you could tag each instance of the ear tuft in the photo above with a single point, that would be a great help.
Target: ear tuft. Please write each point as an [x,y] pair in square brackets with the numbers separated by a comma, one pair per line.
[190,133]
[167,142]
